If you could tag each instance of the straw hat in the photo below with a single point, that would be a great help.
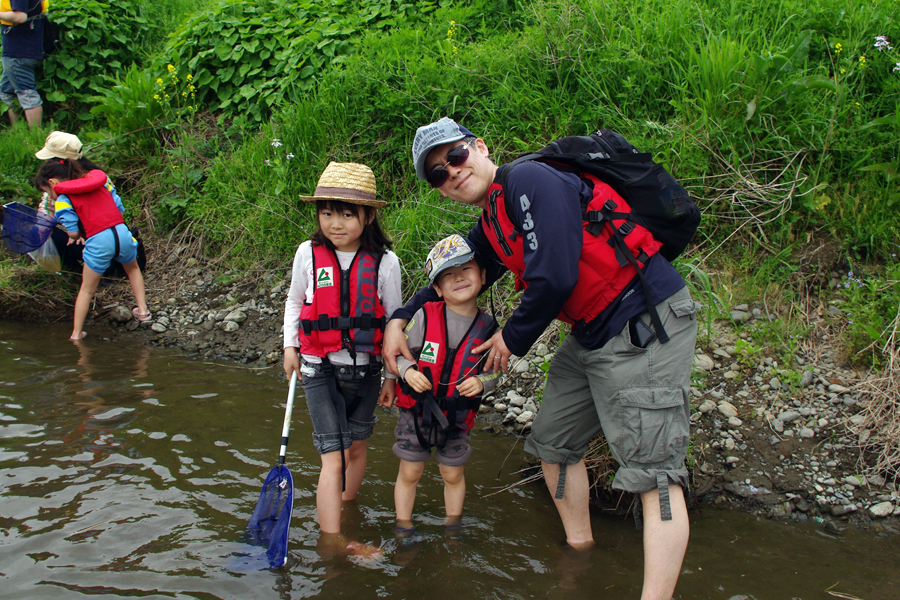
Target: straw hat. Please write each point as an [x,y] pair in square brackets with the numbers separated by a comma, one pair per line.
[60,144]
[346,182]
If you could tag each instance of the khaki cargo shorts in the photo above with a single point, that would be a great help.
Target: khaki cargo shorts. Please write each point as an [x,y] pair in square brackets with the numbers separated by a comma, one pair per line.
[638,398]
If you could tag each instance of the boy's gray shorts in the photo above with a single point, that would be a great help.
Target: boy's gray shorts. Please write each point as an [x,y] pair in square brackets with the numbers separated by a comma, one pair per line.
[454,454]
[638,398]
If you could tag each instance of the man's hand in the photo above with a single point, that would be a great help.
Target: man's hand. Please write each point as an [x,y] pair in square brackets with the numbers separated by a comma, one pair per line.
[394,343]
[291,362]
[388,393]
[417,380]
[470,387]
[498,353]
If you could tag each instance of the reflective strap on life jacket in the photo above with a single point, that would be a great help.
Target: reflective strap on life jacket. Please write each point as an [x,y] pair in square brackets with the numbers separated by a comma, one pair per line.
[325,323]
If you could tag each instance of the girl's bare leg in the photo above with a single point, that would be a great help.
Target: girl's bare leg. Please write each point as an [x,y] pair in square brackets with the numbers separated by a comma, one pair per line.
[90,279]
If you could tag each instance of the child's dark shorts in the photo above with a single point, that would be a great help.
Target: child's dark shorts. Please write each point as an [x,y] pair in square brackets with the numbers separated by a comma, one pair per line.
[341,401]
[454,454]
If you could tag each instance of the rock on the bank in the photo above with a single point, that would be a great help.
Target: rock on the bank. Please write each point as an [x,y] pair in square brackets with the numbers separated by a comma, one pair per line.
[707,406]
[120,314]
[525,417]
[727,409]
[704,362]
[881,510]
[236,316]
[515,399]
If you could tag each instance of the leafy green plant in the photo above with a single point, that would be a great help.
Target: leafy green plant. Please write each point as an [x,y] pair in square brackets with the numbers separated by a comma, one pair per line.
[132,114]
[870,303]
[703,291]
[17,147]
[248,57]
[99,39]
[747,353]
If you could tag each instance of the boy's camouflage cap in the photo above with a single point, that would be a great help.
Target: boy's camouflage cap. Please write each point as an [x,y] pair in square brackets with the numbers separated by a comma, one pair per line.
[451,251]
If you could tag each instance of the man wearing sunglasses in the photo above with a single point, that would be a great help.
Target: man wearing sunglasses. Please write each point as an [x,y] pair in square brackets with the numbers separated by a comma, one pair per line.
[611,374]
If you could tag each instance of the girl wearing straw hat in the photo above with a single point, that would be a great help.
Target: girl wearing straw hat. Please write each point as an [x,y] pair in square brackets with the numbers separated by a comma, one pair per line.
[344,281]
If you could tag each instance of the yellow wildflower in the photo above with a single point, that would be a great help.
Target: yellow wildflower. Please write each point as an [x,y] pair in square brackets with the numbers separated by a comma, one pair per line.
[838,47]
[862,60]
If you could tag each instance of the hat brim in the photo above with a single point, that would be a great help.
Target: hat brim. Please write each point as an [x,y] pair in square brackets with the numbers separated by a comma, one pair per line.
[44,154]
[372,203]
[453,262]
[420,165]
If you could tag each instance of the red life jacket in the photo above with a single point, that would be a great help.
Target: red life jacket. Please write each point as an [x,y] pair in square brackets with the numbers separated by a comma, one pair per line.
[603,272]
[345,311]
[446,368]
[92,202]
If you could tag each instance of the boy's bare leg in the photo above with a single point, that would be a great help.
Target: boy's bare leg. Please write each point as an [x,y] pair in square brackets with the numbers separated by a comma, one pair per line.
[13,117]
[573,508]
[90,279]
[405,490]
[454,491]
[136,279]
[357,458]
[665,543]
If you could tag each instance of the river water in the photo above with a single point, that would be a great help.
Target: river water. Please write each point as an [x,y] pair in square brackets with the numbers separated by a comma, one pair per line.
[127,471]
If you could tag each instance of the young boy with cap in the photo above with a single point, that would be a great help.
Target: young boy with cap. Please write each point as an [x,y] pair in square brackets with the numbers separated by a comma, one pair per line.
[440,392]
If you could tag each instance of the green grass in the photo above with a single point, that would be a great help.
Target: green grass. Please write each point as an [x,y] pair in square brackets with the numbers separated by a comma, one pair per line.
[781,117]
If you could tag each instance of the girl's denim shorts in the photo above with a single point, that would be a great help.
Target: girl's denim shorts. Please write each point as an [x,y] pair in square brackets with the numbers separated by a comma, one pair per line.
[341,401]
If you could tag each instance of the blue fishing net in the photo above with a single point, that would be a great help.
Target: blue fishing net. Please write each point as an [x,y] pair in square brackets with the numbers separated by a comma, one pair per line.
[271,518]
[24,228]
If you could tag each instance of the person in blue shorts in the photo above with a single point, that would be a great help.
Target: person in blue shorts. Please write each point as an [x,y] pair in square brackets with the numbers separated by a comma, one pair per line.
[89,209]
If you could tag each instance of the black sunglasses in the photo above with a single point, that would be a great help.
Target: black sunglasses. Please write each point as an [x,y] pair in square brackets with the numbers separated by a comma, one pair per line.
[456,157]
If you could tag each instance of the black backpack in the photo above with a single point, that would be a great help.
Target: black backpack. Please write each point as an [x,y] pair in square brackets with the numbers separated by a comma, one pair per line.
[658,202]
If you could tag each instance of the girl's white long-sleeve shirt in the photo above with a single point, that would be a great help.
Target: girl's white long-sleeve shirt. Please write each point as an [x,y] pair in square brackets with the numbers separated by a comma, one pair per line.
[302,290]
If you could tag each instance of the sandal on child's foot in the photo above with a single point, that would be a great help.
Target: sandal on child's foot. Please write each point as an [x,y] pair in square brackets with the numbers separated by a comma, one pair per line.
[141,316]
[80,337]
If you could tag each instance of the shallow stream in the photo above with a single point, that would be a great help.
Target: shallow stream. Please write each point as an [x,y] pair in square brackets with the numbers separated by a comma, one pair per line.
[127,471]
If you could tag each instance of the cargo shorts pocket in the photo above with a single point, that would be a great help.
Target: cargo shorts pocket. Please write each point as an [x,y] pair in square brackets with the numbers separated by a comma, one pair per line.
[685,307]
[654,427]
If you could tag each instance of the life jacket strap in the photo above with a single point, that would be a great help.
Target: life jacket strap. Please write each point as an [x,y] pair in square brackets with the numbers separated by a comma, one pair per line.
[324,323]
